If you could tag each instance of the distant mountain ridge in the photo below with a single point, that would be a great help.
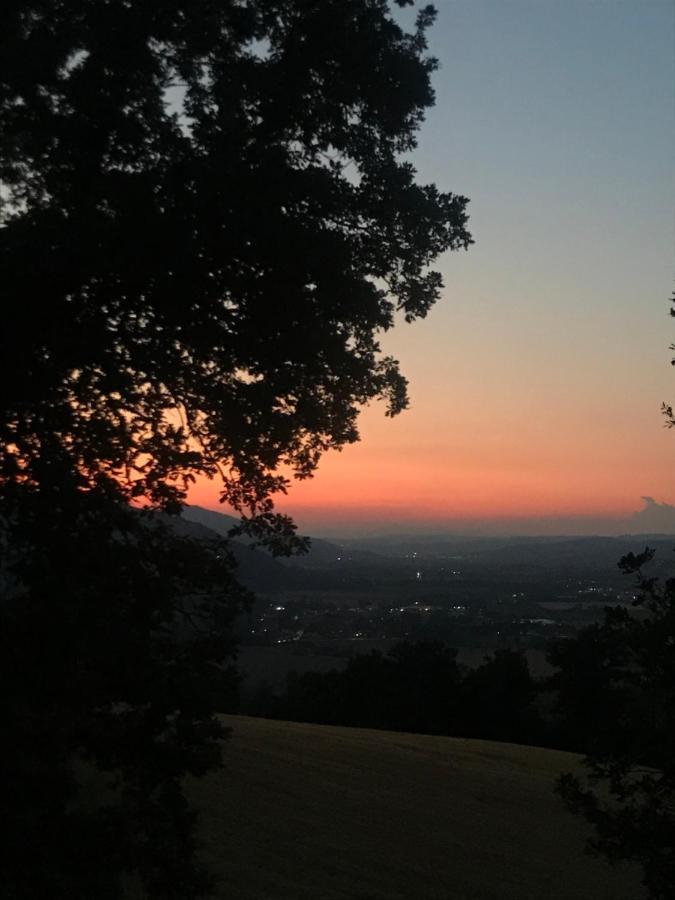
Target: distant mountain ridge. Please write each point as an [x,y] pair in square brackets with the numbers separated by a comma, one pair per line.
[256,569]
[322,565]
[221,523]
[320,551]
[655,517]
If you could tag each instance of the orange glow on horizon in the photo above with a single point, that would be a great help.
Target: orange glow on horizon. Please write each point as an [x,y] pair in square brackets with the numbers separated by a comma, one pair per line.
[388,477]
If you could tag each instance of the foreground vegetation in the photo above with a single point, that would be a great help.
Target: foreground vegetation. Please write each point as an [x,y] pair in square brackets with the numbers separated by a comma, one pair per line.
[208,216]
[310,811]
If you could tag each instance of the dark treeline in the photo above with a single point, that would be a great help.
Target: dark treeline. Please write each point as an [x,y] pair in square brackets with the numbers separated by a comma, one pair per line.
[420,687]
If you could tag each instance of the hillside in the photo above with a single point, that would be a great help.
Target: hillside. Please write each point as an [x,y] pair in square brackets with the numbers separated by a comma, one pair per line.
[310,812]
[319,553]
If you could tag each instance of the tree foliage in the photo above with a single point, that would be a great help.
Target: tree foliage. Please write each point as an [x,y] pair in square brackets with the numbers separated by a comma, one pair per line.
[114,655]
[207,222]
[666,408]
[617,698]
[417,687]
[208,217]
[627,665]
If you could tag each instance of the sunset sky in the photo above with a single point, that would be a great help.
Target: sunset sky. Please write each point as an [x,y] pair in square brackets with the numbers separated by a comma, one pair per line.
[536,382]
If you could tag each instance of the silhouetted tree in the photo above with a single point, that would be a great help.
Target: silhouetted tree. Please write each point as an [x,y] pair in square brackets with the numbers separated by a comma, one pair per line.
[206,222]
[424,687]
[631,748]
[418,687]
[666,408]
[399,690]
[498,700]
[629,663]
[588,697]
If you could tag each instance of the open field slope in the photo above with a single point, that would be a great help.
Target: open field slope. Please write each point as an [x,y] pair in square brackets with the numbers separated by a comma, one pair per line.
[311,811]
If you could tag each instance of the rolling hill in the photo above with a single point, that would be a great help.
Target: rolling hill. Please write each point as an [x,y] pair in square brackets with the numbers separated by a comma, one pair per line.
[310,812]
[320,552]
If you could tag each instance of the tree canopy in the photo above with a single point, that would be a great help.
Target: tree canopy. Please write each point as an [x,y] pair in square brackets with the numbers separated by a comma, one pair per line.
[208,217]
[617,699]
[624,669]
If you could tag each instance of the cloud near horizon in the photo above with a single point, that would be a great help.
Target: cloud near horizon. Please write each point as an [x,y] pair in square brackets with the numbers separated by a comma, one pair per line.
[655,517]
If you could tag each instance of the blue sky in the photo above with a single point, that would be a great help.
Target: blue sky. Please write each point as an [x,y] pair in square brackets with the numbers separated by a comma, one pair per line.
[536,383]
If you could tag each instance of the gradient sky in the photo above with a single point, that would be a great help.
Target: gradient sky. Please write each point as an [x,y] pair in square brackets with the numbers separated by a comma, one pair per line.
[536,382]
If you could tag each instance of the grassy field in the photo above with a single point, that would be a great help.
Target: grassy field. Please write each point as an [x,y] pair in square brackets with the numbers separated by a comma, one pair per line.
[311,811]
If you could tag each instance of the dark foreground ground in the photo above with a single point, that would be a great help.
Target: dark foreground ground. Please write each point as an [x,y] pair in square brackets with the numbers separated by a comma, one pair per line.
[312,811]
